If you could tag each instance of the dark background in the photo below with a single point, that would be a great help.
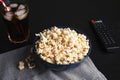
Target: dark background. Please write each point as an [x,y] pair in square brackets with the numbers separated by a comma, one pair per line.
[76,13]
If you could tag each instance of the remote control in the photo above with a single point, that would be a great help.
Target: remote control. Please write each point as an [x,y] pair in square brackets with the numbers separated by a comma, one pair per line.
[104,36]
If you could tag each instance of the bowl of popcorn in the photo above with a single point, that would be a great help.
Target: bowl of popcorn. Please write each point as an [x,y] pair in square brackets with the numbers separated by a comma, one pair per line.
[61,47]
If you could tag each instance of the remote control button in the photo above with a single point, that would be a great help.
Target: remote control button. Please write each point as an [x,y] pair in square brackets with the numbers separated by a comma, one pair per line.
[113,41]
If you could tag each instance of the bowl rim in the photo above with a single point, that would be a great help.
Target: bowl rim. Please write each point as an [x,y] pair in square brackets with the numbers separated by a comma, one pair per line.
[72,28]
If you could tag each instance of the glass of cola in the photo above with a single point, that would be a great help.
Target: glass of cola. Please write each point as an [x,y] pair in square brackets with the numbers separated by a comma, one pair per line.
[16,20]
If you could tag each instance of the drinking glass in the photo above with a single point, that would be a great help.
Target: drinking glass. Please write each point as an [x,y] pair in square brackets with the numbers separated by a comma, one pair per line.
[16,20]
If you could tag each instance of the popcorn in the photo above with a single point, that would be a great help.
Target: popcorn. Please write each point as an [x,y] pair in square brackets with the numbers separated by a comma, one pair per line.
[31,65]
[21,65]
[61,45]
[29,61]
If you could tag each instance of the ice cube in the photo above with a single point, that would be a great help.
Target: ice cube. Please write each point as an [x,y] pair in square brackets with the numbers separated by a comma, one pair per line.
[8,16]
[21,6]
[20,17]
[20,12]
[14,5]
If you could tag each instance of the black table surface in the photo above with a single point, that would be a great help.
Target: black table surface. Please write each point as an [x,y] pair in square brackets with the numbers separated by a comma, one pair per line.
[78,14]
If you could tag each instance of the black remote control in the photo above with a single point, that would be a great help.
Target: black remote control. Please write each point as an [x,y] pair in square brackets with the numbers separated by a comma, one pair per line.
[104,36]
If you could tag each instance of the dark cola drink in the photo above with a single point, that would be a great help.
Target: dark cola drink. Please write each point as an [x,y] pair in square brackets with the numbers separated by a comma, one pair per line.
[16,21]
